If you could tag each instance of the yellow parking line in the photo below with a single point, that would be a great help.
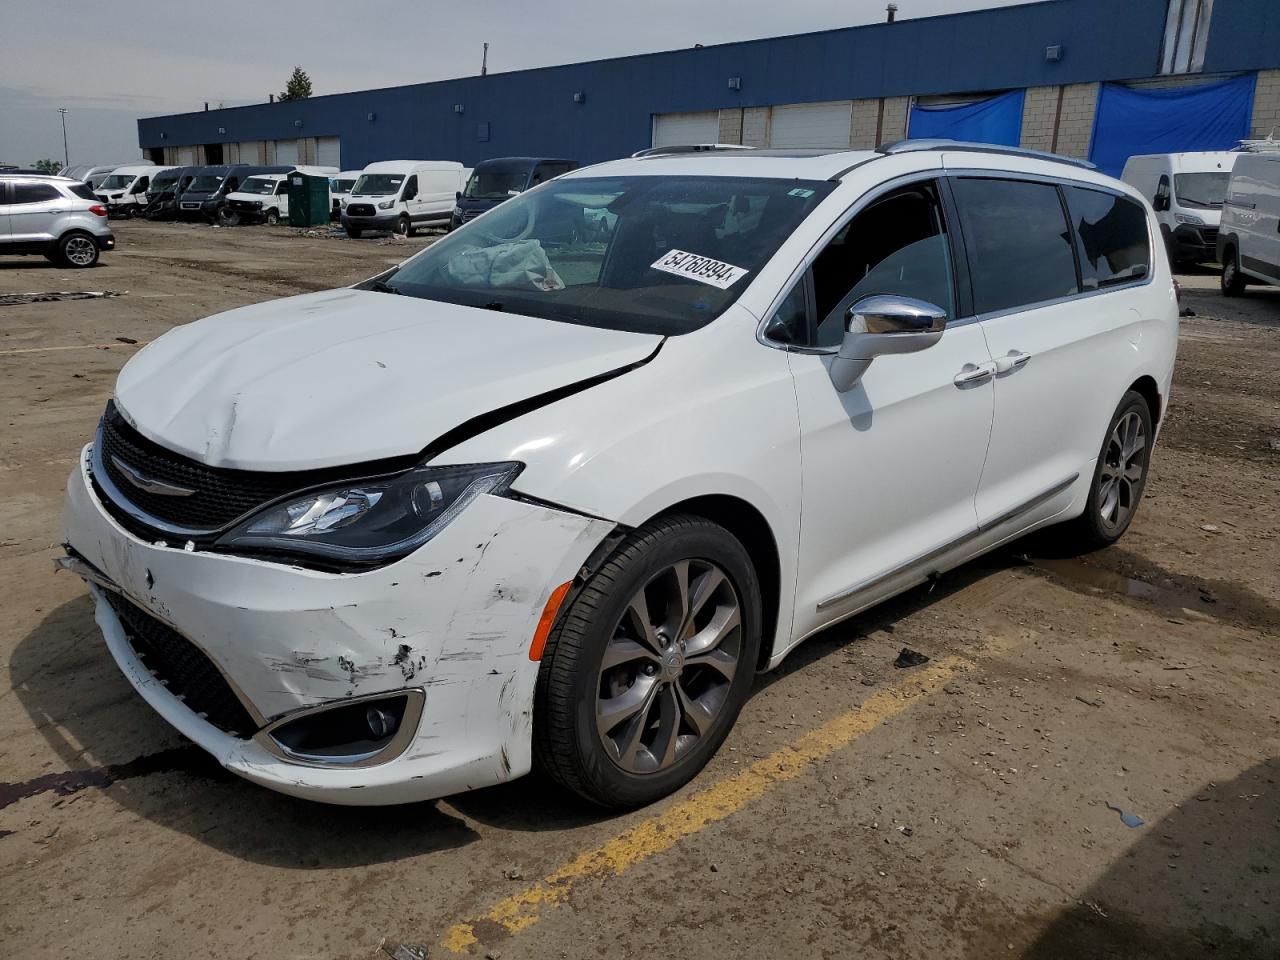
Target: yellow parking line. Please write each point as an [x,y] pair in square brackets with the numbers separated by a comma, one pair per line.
[662,831]
[76,346]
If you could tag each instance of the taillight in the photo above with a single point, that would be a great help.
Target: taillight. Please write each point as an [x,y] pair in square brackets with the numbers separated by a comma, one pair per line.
[98,209]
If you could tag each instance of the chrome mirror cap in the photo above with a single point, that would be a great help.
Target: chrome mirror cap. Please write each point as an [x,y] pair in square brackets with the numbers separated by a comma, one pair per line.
[881,325]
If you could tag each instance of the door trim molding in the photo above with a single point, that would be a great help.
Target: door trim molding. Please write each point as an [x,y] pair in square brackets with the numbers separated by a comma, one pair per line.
[925,558]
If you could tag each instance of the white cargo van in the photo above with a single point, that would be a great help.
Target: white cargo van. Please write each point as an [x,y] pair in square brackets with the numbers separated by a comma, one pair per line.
[264,197]
[340,185]
[124,191]
[1249,240]
[403,196]
[1186,190]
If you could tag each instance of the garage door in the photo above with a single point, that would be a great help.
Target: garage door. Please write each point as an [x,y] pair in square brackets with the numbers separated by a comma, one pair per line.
[819,125]
[673,129]
[286,151]
[186,156]
[328,152]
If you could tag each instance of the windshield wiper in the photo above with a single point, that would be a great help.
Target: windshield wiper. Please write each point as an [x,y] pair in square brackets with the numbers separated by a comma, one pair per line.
[381,286]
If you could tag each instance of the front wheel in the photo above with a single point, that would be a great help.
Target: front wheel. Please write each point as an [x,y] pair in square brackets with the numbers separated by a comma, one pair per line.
[1233,281]
[645,674]
[401,229]
[77,250]
[1118,480]
[273,217]
[354,233]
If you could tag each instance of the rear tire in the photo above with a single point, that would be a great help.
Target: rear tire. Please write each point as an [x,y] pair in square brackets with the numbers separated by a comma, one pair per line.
[1233,281]
[1118,480]
[631,729]
[77,250]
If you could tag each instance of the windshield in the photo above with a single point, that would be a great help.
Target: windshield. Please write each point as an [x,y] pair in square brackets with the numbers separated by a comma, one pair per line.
[208,183]
[263,185]
[378,184]
[1201,189]
[117,181]
[650,254]
[340,186]
[162,183]
[495,184]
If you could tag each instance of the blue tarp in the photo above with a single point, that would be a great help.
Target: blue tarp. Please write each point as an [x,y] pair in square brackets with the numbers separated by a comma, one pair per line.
[995,120]
[1212,116]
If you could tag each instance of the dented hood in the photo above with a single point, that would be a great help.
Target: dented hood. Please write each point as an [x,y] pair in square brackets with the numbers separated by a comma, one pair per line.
[347,376]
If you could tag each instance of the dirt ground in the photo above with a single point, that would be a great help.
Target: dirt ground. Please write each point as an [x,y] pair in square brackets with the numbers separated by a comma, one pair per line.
[962,809]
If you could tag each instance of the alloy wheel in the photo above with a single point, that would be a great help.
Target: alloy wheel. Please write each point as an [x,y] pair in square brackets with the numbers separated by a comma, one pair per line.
[1123,466]
[668,666]
[80,251]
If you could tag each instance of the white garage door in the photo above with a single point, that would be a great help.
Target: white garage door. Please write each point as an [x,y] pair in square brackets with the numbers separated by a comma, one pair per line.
[286,151]
[819,125]
[328,152]
[673,129]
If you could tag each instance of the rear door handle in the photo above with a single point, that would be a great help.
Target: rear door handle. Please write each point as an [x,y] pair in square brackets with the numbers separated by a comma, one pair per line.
[1011,361]
[56,210]
[974,373]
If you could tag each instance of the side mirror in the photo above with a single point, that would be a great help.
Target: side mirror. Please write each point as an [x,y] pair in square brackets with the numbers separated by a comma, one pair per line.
[1161,202]
[882,325]
[457,195]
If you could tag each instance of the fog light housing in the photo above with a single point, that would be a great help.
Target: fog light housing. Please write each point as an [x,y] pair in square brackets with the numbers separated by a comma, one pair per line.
[358,732]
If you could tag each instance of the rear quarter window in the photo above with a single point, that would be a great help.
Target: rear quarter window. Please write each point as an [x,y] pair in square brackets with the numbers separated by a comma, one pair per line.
[1111,237]
[81,190]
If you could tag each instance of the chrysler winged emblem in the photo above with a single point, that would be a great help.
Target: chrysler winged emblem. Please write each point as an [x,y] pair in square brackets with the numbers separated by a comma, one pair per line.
[150,484]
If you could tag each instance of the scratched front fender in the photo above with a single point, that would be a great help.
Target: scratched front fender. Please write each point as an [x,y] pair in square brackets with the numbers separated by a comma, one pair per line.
[454,619]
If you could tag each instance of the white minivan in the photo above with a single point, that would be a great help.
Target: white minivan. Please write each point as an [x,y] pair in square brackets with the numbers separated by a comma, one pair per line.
[264,197]
[534,498]
[403,195]
[1186,191]
[124,190]
[1249,240]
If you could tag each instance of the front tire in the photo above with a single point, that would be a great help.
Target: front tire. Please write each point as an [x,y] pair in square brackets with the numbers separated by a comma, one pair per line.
[77,250]
[354,233]
[1233,281]
[1118,480]
[273,217]
[647,670]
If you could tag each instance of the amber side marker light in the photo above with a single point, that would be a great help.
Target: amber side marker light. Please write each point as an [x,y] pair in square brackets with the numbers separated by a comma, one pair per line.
[548,618]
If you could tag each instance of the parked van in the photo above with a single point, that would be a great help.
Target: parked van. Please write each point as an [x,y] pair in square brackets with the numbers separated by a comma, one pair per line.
[208,191]
[403,195]
[124,191]
[162,195]
[339,189]
[1249,238]
[264,197]
[493,181]
[1186,190]
[94,173]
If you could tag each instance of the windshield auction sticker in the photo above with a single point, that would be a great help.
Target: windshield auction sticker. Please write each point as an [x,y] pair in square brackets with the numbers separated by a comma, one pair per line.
[703,269]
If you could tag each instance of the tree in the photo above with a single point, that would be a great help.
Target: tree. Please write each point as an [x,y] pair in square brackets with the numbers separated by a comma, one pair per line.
[48,166]
[298,87]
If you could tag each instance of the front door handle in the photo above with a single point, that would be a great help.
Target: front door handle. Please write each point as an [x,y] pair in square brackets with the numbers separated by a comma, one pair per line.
[974,373]
[1011,361]
[56,210]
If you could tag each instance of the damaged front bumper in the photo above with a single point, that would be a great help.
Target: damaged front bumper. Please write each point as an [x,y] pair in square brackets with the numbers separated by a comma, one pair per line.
[449,627]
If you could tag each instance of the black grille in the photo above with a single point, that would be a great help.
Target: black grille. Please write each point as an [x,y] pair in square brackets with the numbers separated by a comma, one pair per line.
[471,215]
[1209,235]
[360,210]
[242,205]
[184,669]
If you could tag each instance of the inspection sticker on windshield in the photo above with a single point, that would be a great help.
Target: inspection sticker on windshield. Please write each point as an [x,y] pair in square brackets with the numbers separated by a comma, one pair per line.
[703,269]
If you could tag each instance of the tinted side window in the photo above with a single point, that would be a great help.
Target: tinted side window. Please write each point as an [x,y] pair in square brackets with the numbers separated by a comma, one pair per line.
[34,192]
[1111,237]
[410,188]
[897,245]
[83,191]
[790,324]
[1018,243]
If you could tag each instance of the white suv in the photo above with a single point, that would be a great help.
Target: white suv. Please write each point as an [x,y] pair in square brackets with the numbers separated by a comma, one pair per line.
[557,487]
[53,216]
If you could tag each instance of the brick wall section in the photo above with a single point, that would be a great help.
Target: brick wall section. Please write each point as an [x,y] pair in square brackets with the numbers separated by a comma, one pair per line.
[730,126]
[1266,105]
[895,120]
[755,126]
[1079,103]
[1039,111]
[862,126]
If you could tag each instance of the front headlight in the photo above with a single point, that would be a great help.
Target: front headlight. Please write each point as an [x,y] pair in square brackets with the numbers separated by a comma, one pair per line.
[373,521]
[258,204]
[386,204]
[457,211]
[1190,218]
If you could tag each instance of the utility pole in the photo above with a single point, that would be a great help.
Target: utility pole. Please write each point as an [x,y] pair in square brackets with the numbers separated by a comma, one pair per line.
[66,155]
[484,61]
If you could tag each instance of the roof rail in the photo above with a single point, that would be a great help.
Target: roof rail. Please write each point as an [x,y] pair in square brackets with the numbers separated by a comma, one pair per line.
[688,148]
[912,146]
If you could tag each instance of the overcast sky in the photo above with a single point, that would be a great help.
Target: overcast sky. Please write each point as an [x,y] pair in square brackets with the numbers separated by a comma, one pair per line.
[109,64]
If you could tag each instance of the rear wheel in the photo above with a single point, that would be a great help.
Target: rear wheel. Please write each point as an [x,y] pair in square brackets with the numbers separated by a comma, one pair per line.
[77,250]
[644,676]
[1118,480]
[1233,281]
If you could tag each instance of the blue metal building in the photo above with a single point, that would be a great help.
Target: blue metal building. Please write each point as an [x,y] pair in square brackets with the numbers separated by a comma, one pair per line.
[853,87]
